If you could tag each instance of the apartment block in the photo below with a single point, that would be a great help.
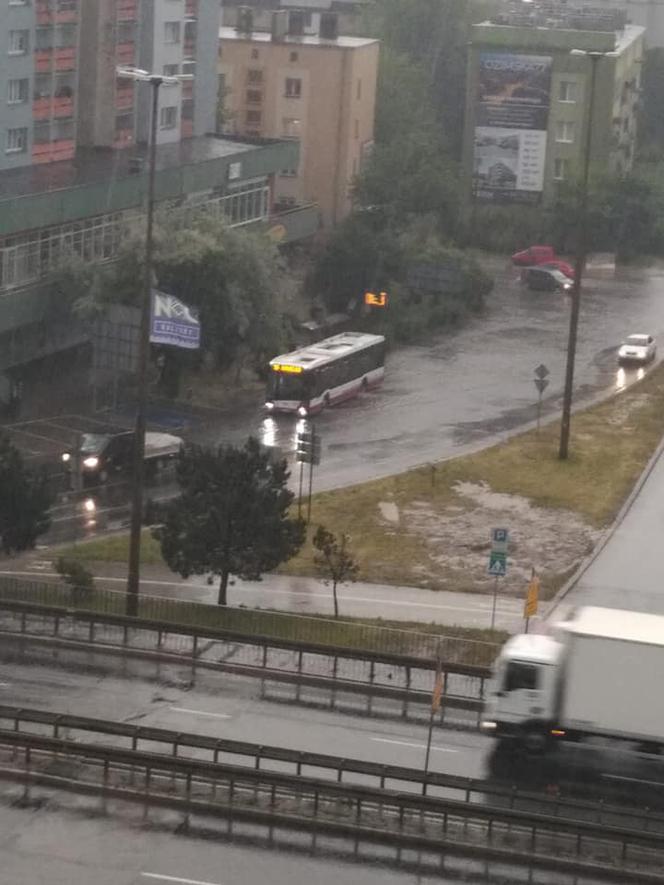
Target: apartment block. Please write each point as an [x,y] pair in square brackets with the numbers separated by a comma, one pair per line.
[316,89]
[532,96]
[162,36]
[38,81]
[350,13]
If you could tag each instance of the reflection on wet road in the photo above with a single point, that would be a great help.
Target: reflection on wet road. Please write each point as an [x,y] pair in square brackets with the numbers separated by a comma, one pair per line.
[472,385]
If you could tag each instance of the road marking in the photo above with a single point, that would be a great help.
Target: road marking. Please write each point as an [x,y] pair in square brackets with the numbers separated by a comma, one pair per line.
[476,609]
[161,878]
[632,780]
[200,713]
[417,746]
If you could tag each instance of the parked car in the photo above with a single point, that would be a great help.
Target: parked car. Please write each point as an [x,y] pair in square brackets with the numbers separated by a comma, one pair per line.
[534,255]
[637,349]
[538,256]
[103,455]
[545,279]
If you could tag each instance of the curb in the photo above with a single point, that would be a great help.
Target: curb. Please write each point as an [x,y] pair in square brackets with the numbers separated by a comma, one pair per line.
[608,534]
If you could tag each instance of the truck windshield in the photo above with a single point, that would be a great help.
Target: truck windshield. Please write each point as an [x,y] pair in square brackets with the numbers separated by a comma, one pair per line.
[521,676]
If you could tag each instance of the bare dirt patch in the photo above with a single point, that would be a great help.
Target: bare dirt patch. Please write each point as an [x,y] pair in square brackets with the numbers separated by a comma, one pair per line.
[458,539]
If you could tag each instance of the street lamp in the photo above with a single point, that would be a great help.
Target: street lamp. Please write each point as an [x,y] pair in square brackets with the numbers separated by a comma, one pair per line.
[138,476]
[580,258]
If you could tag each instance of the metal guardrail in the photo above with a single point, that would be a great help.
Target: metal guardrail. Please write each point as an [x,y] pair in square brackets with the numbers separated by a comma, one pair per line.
[405,680]
[402,819]
[273,624]
[26,721]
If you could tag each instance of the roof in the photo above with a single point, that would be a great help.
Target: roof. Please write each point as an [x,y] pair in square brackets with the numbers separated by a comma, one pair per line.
[613,623]
[314,355]
[340,42]
[532,647]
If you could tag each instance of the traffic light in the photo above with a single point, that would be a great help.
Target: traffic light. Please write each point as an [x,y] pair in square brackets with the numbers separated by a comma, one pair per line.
[308,447]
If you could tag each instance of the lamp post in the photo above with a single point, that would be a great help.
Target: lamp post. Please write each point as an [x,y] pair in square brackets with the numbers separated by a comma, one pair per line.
[580,258]
[138,473]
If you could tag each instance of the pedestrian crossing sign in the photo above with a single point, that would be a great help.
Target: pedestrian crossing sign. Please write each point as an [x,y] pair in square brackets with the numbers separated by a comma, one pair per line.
[497,564]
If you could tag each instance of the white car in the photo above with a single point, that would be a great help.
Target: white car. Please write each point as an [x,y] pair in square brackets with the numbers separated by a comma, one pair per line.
[637,349]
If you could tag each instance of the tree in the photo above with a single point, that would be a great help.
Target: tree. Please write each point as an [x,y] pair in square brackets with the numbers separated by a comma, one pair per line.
[25,500]
[334,561]
[232,515]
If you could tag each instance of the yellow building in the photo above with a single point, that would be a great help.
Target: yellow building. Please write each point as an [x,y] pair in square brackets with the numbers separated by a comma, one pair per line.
[317,89]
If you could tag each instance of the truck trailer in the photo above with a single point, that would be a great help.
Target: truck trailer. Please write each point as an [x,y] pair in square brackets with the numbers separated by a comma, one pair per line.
[599,674]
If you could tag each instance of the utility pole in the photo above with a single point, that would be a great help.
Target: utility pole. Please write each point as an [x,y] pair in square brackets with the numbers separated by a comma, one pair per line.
[579,261]
[138,473]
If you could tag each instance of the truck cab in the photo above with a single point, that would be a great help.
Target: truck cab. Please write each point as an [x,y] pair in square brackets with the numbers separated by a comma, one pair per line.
[521,695]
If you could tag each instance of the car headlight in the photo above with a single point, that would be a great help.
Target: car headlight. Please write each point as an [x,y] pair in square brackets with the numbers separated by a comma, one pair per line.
[91,462]
[66,457]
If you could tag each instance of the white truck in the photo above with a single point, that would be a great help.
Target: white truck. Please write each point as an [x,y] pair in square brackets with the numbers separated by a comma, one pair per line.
[599,674]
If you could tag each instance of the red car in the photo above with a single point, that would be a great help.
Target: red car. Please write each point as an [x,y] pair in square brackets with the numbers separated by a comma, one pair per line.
[535,256]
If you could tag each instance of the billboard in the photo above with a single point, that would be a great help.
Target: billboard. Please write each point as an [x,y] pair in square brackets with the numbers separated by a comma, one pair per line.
[511,117]
[173,322]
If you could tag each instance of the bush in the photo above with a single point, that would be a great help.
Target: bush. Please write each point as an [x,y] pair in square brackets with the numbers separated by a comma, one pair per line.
[73,573]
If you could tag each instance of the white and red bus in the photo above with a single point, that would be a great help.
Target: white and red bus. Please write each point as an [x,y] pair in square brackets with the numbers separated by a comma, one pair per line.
[327,372]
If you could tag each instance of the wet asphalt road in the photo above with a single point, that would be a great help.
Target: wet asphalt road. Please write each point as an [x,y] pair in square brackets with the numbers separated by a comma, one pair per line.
[455,393]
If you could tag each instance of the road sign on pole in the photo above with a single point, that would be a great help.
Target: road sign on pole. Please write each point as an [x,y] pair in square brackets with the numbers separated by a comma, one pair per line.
[497,564]
[541,383]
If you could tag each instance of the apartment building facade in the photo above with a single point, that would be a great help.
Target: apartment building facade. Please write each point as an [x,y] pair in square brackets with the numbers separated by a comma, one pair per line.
[162,36]
[318,90]
[38,81]
[530,99]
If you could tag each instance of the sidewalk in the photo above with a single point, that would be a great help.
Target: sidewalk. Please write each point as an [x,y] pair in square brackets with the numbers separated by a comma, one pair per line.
[303,596]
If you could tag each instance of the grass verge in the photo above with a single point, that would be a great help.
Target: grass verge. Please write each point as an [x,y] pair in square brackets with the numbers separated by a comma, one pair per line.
[610,445]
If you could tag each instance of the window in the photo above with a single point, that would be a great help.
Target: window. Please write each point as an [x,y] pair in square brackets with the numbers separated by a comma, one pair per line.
[18,42]
[17,141]
[253,118]
[293,87]
[560,169]
[254,53]
[255,76]
[291,127]
[171,32]
[358,90]
[356,128]
[168,118]
[565,131]
[254,96]
[171,70]
[17,91]
[567,91]
[293,56]
[521,676]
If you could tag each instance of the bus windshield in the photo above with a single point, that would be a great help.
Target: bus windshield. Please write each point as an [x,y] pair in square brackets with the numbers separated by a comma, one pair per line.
[287,387]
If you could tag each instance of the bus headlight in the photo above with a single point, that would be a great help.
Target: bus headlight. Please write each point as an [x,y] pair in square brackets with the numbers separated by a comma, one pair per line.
[66,457]
[302,411]
[91,462]
[269,406]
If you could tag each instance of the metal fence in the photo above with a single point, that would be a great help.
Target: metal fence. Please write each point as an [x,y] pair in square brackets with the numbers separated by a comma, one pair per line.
[339,633]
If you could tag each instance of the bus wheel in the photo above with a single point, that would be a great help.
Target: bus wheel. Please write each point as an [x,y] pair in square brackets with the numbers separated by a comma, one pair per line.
[327,401]
[365,385]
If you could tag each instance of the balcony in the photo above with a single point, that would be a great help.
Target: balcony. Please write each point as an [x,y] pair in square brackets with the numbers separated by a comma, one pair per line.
[41,109]
[63,106]
[190,48]
[124,98]
[65,58]
[127,10]
[187,129]
[44,12]
[187,89]
[63,12]
[54,151]
[43,60]
[191,9]
[125,53]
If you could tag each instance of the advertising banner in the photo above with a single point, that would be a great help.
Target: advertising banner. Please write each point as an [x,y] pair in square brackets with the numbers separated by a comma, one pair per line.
[173,322]
[511,117]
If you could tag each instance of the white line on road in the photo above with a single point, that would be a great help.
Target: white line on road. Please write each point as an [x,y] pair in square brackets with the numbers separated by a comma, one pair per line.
[477,609]
[161,878]
[632,780]
[417,746]
[200,713]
